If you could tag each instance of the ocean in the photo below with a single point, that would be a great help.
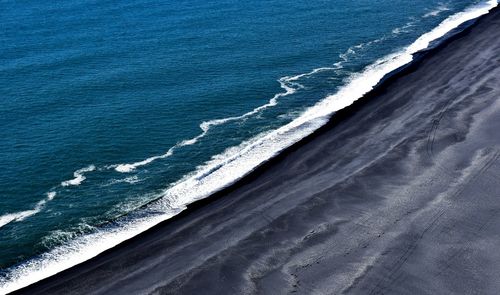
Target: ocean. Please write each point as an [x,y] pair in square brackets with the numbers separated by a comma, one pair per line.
[117,115]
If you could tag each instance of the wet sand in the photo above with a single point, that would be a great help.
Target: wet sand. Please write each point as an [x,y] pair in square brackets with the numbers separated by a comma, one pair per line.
[398,194]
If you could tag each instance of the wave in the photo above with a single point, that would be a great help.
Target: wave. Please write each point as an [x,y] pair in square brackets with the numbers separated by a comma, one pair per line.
[225,169]
[286,83]
[79,176]
[51,196]
[404,29]
[20,216]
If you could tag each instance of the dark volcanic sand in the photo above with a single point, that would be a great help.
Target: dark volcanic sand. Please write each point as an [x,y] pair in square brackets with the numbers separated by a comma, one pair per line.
[400,194]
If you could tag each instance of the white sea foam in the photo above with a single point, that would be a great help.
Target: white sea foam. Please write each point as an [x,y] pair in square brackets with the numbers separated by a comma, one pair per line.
[286,83]
[228,167]
[51,196]
[78,176]
[404,29]
[20,216]
[125,168]
[441,8]
[451,23]
[130,180]
[80,250]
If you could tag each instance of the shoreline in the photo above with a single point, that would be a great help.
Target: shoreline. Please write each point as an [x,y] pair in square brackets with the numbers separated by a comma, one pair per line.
[337,119]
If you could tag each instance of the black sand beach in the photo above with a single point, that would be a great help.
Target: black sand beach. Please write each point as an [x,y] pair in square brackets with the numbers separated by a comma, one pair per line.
[399,194]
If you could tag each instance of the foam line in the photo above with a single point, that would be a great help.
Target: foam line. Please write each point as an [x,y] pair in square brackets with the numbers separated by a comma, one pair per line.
[228,167]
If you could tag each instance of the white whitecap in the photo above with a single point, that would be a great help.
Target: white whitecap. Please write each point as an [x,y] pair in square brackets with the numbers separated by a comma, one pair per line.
[79,176]
[130,180]
[435,12]
[20,216]
[449,24]
[404,29]
[51,195]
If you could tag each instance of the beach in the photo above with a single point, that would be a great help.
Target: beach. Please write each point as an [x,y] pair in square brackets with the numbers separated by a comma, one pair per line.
[398,194]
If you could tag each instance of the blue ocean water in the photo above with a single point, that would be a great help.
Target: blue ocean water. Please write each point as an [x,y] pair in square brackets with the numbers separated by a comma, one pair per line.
[115,113]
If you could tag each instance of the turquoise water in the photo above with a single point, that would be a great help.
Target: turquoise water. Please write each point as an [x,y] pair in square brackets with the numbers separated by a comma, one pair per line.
[106,105]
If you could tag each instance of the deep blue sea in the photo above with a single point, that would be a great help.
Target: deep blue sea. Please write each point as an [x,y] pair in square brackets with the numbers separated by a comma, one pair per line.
[115,115]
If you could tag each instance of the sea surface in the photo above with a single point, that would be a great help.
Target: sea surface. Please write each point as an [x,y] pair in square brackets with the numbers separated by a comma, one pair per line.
[115,115]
